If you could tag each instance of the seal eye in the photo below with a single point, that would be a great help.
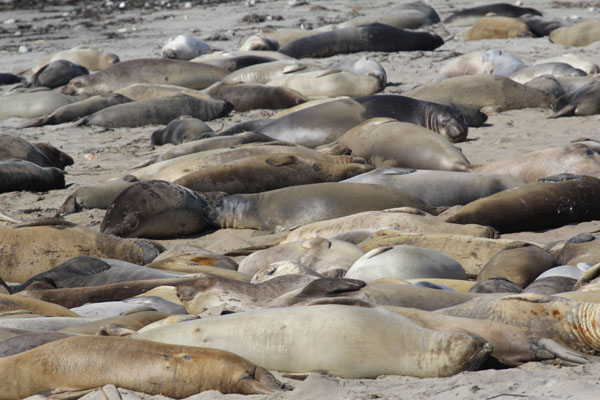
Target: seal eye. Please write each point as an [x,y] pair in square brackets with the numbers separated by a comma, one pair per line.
[77,84]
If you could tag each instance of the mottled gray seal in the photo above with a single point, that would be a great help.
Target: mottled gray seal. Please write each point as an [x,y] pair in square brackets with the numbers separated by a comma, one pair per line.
[317,339]
[155,209]
[370,37]
[182,370]
[146,70]
[280,209]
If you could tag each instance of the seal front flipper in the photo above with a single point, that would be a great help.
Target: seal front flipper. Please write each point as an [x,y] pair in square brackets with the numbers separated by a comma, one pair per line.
[331,286]
[550,350]
[260,381]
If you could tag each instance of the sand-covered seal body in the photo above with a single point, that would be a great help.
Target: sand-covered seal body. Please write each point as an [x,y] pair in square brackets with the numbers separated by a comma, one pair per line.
[581,34]
[385,142]
[185,47]
[155,209]
[92,59]
[329,338]
[371,37]
[252,96]
[149,367]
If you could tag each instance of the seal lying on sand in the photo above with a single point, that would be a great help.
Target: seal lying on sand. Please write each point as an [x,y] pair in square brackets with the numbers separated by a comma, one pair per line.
[149,367]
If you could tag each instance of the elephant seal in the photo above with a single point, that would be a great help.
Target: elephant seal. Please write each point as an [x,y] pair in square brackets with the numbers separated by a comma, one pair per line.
[74,111]
[526,74]
[574,158]
[568,322]
[583,101]
[489,93]
[185,47]
[33,104]
[574,61]
[146,70]
[234,63]
[159,111]
[362,66]
[176,168]
[581,34]
[271,211]
[209,143]
[329,83]
[405,18]
[28,341]
[471,252]
[495,284]
[319,254]
[574,252]
[41,154]
[9,79]
[440,188]
[385,142]
[140,365]
[492,61]
[404,262]
[535,206]
[551,285]
[404,218]
[155,209]
[76,297]
[264,72]
[370,37]
[25,250]
[259,42]
[252,96]
[56,73]
[145,91]
[539,26]
[511,347]
[267,172]
[233,295]
[280,268]
[92,59]
[520,266]
[98,196]
[547,84]
[181,130]
[13,303]
[498,27]
[316,340]
[445,120]
[17,174]
[504,9]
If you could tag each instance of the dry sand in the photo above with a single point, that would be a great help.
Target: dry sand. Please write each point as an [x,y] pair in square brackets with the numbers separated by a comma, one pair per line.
[136,32]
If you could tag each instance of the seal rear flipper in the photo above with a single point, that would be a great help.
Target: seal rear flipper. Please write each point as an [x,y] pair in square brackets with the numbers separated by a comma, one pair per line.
[260,381]
[70,206]
[550,350]
[35,122]
[567,111]
[331,286]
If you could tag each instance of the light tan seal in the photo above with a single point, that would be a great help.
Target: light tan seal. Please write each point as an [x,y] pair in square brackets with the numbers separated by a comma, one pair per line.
[582,34]
[497,27]
[349,342]
[149,367]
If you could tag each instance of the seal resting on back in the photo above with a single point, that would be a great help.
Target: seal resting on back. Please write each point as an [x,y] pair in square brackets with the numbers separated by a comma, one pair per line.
[149,367]
[371,37]
[281,209]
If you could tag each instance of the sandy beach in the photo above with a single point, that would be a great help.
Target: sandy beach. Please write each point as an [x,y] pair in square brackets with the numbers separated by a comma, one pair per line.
[140,30]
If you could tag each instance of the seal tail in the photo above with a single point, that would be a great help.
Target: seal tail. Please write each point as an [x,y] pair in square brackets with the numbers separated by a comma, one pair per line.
[567,111]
